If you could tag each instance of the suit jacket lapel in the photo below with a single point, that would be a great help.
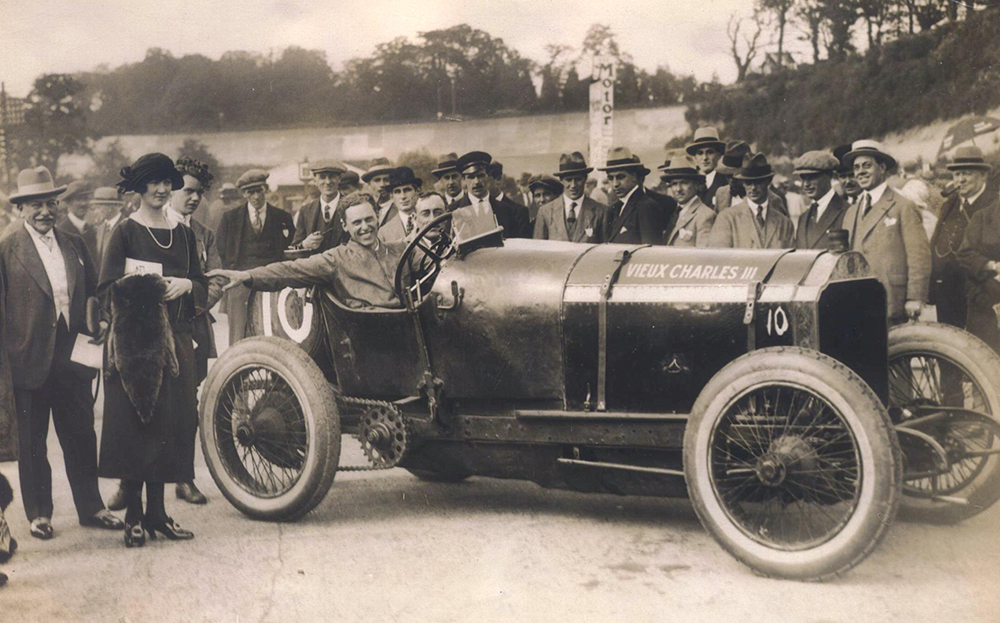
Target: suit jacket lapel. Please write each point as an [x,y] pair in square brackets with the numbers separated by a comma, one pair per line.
[750,222]
[627,210]
[878,210]
[27,254]
[71,260]
[584,219]
[826,221]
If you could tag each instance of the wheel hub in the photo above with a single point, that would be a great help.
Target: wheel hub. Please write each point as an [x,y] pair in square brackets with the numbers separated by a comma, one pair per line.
[245,434]
[771,470]
[787,453]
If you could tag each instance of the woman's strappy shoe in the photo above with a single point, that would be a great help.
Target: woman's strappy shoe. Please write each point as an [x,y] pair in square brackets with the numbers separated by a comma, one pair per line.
[168,528]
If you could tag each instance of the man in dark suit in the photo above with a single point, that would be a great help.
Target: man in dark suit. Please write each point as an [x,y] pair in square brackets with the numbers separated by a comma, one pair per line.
[826,209]
[253,234]
[707,148]
[478,197]
[634,218]
[450,179]
[753,222]
[377,178]
[948,287]
[77,201]
[321,221]
[888,229]
[849,188]
[48,276]
[108,204]
[574,216]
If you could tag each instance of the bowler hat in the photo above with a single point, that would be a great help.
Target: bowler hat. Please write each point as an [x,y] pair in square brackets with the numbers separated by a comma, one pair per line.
[546,181]
[33,184]
[622,158]
[77,189]
[401,176]
[706,136]
[682,167]
[468,162]
[755,167]
[350,178]
[732,159]
[868,148]
[378,166]
[154,166]
[252,179]
[446,164]
[968,158]
[572,164]
[106,195]
[816,162]
[332,166]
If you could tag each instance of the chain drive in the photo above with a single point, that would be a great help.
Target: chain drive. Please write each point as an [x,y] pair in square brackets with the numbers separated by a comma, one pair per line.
[384,421]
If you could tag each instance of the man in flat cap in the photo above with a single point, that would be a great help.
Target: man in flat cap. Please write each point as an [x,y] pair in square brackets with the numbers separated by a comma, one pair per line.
[887,228]
[948,283]
[574,216]
[753,222]
[707,148]
[377,178]
[321,224]
[449,179]
[826,209]
[404,186]
[634,217]
[694,219]
[480,201]
[350,183]
[253,234]
[76,199]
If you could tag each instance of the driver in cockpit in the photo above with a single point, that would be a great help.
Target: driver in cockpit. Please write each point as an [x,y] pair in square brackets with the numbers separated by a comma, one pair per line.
[360,272]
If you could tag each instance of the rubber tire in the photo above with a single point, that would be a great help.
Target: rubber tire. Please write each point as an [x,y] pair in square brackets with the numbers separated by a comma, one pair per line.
[316,398]
[430,475]
[981,363]
[881,460]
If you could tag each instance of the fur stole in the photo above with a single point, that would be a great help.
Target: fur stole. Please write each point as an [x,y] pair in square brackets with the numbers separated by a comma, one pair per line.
[6,493]
[141,342]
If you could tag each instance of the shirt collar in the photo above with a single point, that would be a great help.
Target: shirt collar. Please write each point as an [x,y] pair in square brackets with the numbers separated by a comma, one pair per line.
[567,201]
[877,192]
[976,196]
[823,202]
[709,178]
[177,217]
[51,235]
[689,205]
[629,194]
[753,206]
[332,204]
[500,196]
[79,223]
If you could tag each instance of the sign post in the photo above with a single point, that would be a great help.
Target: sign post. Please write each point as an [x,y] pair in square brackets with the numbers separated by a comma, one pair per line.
[602,108]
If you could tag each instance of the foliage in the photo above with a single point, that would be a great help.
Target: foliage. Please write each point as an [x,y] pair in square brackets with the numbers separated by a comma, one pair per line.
[55,123]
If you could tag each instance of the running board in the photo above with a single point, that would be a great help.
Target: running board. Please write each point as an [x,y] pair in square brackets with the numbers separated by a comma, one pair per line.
[537,414]
[659,471]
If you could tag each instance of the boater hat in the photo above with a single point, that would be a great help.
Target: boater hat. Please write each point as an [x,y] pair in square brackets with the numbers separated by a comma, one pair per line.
[755,167]
[446,164]
[706,136]
[868,148]
[378,166]
[35,183]
[572,164]
[813,162]
[968,158]
[681,168]
[622,158]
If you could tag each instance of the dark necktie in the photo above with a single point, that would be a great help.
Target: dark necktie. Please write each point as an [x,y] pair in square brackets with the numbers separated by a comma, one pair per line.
[813,213]
[760,217]
[866,204]
[326,213]
[409,225]
[571,217]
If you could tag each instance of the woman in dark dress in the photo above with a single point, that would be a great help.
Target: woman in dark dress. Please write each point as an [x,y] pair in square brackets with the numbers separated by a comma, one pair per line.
[161,450]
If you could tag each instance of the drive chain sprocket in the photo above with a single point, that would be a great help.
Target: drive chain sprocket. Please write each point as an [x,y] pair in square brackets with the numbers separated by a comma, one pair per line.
[382,431]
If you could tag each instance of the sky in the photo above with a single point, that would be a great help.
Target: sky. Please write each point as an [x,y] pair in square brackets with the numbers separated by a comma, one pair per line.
[63,36]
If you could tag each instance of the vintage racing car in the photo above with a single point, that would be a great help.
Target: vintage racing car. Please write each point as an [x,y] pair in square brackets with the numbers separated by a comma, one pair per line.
[762,384]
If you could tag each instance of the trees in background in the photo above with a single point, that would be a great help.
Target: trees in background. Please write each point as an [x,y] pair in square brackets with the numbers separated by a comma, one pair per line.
[55,123]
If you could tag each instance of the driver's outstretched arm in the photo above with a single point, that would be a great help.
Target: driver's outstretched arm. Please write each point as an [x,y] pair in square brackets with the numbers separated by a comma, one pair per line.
[314,270]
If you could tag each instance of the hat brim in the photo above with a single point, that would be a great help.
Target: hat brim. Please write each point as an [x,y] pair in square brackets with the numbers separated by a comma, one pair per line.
[328,170]
[368,175]
[569,172]
[439,173]
[692,148]
[850,156]
[638,168]
[667,176]
[969,166]
[22,197]
[253,185]
[754,178]
[812,171]
[415,182]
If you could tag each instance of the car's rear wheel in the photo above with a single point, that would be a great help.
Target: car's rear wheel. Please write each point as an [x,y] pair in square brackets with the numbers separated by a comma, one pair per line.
[935,365]
[792,464]
[270,431]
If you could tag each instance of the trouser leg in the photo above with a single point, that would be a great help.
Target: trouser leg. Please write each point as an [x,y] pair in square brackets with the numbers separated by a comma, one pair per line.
[73,416]
[33,464]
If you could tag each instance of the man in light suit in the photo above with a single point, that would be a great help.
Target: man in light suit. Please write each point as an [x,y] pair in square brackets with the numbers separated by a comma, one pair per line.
[574,216]
[48,276]
[753,222]
[826,209]
[403,187]
[320,224]
[377,179]
[635,217]
[887,228]
[730,165]
[694,221]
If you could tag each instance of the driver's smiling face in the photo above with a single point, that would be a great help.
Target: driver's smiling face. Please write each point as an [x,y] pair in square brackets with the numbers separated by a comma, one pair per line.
[362,224]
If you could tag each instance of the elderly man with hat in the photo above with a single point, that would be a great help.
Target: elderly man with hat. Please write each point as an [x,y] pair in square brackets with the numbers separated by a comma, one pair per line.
[377,178]
[574,216]
[635,217]
[480,202]
[404,186]
[970,172]
[106,201]
[694,219]
[321,222]
[849,187]
[253,234]
[74,220]
[449,179]
[707,148]
[887,228]
[825,213]
[47,277]
[753,222]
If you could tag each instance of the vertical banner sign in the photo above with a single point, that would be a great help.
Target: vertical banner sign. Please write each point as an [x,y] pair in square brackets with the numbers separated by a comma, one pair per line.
[602,108]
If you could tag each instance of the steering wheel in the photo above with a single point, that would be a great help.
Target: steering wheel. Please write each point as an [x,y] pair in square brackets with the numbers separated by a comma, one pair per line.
[425,267]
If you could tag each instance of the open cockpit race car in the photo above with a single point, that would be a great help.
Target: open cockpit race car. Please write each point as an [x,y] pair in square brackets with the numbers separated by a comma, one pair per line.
[764,385]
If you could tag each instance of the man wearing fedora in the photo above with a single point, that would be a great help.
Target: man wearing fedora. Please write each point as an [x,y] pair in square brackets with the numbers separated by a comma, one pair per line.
[825,213]
[694,219]
[634,217]
[707,148]
[948,287]
[849,188]
[377,178]
[321,223]
[480,200]
[449,179]
[574,216]
[404,186]
[887,228]
[47,276]
[253,234]
[106,202]
[732,161]
[753,222]
[76,199]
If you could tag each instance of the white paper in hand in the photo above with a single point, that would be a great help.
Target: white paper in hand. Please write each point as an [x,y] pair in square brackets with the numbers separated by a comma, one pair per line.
[85,353]
[142,267]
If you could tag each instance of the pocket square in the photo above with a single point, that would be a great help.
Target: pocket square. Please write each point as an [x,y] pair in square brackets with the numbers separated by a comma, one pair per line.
[889,222]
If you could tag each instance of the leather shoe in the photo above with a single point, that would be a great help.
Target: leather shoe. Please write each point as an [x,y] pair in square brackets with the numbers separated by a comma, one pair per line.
[41,528]
[103,519]
[168,528]
[3,579]
[118,501]
[188,492]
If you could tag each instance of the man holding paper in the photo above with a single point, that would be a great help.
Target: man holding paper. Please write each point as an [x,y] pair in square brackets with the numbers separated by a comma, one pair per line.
[47,276]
